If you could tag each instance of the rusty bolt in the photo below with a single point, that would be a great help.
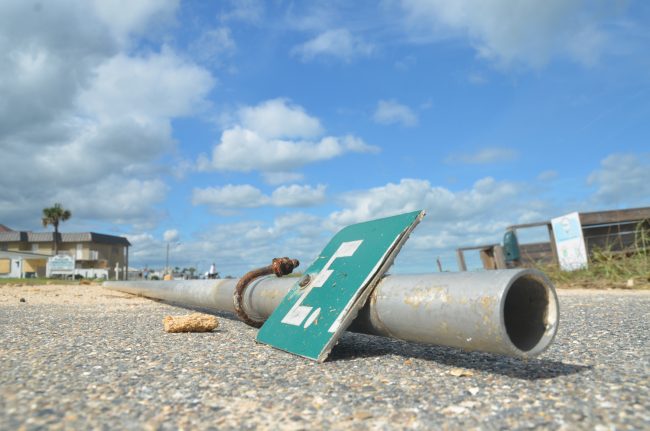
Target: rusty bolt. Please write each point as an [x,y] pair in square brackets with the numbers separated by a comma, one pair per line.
[284,266]
[304,281]
[279,266]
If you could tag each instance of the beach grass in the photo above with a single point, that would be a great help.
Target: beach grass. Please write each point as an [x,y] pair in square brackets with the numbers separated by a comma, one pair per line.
[610,269]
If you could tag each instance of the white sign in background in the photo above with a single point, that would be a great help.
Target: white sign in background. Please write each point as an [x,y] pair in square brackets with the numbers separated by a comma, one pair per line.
[61,263]
[570,242]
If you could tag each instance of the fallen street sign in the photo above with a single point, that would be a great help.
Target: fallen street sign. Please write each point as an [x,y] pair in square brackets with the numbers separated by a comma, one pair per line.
[319,307]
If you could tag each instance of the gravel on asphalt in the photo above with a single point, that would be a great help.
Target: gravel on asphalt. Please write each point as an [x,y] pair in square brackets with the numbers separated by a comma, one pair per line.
[79,357]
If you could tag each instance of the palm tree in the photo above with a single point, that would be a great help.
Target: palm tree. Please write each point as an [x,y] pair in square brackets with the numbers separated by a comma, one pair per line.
[53,216]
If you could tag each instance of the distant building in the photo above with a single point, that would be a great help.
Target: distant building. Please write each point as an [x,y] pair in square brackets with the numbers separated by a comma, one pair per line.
[90,250]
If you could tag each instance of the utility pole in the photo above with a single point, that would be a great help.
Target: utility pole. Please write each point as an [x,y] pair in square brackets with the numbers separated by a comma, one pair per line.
[167,261]
[167,271]
[512,311]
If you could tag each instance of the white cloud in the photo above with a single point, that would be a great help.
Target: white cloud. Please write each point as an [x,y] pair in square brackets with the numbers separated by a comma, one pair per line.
[244,150]
[586,44]
[547,175]
[125,18]
[230,196]
[41,65]
[337,43]
[484,156]
[155,86]
[257,143]
[150,251]
[250,244]
[113,199]
[520,32]
[298,196]
[307,225]
[116,198]
[275,178]
[414,194]
[213,45]
[278,118]
[475,215]
[223,199]
[406,63]
[144,249]
[170,235]
[251,11]
[623,179]
[392,112]
[83,121]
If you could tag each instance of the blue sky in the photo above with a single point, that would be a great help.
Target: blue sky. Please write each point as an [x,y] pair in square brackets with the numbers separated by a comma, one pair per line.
[240,131]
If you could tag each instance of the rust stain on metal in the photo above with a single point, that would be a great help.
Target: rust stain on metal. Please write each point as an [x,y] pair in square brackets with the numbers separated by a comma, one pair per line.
[487,302]
[280,266]
[424,295]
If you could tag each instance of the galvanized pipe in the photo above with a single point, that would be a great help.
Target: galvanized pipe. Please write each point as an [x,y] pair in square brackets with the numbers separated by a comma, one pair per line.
[513,312]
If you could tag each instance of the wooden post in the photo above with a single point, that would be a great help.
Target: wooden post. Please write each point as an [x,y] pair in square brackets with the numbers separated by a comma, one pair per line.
[551,235]
[461,260]
[486,258]
[499,257]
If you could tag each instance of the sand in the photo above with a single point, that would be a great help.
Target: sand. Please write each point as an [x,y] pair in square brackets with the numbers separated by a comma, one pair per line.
[60,294]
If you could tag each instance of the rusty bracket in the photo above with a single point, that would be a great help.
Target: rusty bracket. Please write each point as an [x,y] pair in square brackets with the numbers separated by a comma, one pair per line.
[280,266]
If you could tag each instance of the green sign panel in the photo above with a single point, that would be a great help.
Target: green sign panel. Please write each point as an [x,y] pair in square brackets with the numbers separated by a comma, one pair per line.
[310,319]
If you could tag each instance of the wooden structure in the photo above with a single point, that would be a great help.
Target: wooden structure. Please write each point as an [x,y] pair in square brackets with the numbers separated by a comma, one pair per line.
[614,231]
[491,255]
[538,252]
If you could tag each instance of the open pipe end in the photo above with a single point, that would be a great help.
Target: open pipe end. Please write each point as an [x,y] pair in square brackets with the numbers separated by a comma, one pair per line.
[531,313]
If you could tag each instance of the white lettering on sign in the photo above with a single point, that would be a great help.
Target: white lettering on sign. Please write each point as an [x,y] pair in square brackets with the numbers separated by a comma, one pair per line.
[312,318]
[299,312]
[339,320]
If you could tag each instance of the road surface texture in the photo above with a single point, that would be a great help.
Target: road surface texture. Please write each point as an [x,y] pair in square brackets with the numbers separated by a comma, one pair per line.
[82,357]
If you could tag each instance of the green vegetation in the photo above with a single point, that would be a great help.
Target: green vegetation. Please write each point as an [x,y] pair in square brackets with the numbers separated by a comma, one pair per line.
[53,216]
[608,269]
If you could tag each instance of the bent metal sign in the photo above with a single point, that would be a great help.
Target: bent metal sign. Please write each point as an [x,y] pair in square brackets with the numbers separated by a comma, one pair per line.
[318,308]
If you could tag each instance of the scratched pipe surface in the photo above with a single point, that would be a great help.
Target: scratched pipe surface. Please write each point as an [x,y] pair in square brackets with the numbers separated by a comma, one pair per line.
[513,312]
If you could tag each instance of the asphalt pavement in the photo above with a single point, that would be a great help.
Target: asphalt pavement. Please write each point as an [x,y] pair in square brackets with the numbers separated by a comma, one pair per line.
[109,365]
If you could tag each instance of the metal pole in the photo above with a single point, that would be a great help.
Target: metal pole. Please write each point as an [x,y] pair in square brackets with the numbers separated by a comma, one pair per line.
[167,261]
[513,312]
[126,273]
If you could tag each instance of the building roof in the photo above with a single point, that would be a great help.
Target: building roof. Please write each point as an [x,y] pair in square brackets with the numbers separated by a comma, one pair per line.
[23,255]
[98,238]
[13,236]
[4,228]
